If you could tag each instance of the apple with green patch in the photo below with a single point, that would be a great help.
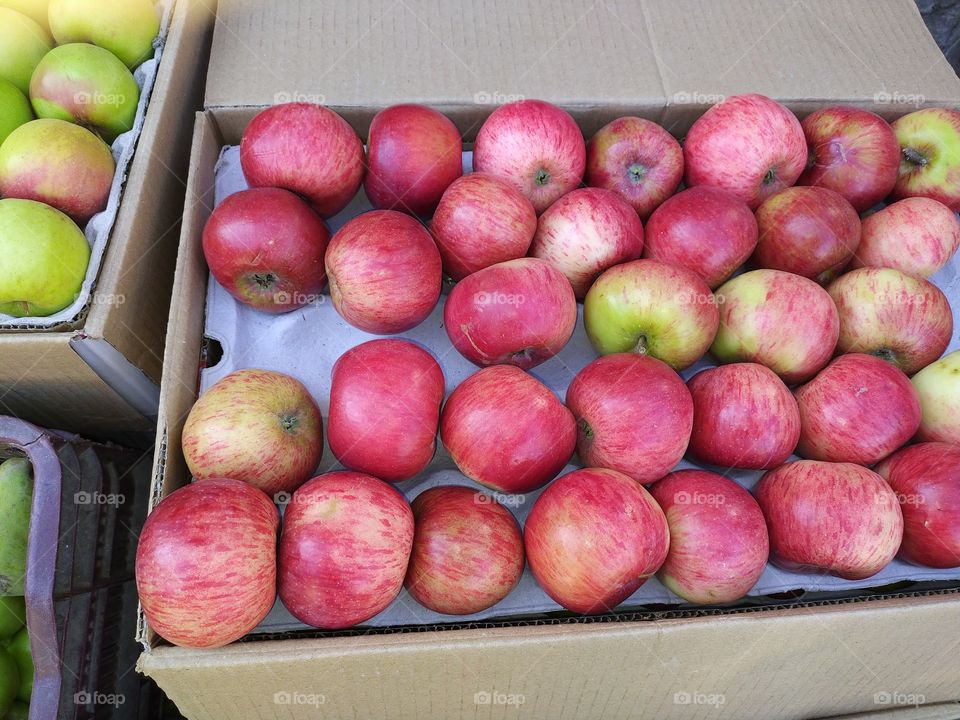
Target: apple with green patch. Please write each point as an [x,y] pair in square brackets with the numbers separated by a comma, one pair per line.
[938,386]
[14,109]
[929,155]
[126,28]
[23,43]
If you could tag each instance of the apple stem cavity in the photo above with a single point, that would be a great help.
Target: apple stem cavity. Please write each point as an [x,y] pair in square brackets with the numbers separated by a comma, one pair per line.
[887,354]
[585,428]
[265,280]
[542,177]
[641,347]
[289,422]
[636,173]
[914,157]
[770,176]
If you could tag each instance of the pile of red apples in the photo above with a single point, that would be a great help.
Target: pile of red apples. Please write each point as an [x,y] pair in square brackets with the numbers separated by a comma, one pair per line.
[826,334]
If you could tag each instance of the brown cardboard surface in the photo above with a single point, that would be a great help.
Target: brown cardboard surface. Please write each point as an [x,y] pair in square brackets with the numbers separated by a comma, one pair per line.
[940,711]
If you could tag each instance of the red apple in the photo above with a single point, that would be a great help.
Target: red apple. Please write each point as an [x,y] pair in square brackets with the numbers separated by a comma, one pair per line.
[838,518]
[929,156]
[916,236]
[633,414]
[852,152]
[706,229]
[344,549]
[467,551]
[718,537]
[748,144]
[585,232]
[808,231]
[481,221]
[777,319]
[259,426]
[520,312]
[743,416]
[306,149]
[902,319]
[266,246]
[384,272]
[593,537]
[413,154]
[535,146]
[207,563]
[506,430]
[857,409]
[651,308]
[926,479]
[638,160]
[385,399]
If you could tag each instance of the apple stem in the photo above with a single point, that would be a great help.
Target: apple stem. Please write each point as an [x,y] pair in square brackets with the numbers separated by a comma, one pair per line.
[585,428]
[887,354]
[641,347]
[542,177]
[914,157]
[770,176]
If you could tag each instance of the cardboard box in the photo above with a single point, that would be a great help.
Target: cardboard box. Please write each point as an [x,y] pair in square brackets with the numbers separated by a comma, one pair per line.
[661,59]
[102,379]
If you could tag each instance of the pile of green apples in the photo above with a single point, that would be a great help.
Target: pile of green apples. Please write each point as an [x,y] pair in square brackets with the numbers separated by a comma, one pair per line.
[67,91]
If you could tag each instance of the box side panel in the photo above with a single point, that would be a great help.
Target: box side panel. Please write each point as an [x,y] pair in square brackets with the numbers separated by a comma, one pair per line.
[134,285]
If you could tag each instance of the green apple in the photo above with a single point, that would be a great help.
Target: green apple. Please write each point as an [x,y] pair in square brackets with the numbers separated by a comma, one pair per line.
[23,44]
[18,711]
[651,308]
[13,615]
[36,10]
[938,385]
[929,156]
[87,85]
[9,680]
[19,648]
[58,163]
[14,109]
[44,260]
[124,27]
[16,494]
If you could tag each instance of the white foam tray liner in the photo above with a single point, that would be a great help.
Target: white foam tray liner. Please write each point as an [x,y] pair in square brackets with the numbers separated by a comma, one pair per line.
[305,343]
[100,226]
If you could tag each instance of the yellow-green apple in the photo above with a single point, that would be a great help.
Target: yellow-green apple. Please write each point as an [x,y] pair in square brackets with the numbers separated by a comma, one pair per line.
[853,152]
[126,28]
[838,518]
[87,85]
[706,229]
[902,319]
[808,231]
[467,551]
[507,430]
[743,416]
[748,144]
[259,426]
[638,160]
[857,409]
[265,246]
[19,648]
[306,149]
[207,563]
[585,232]
[344,549]
[535,146]
[481,221]
[385,398]
[9,681]
[413,154]
[384,272]
[593,537]
[23,43]
[45,257]
[16,503]
[520,312]
[718,537]
[651,308]
[916,235]
[633,414]
[926,479]
[938,385]
[929,156]
[777,319]
[60,164]
[36,10]
[13,613]
[14,109]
